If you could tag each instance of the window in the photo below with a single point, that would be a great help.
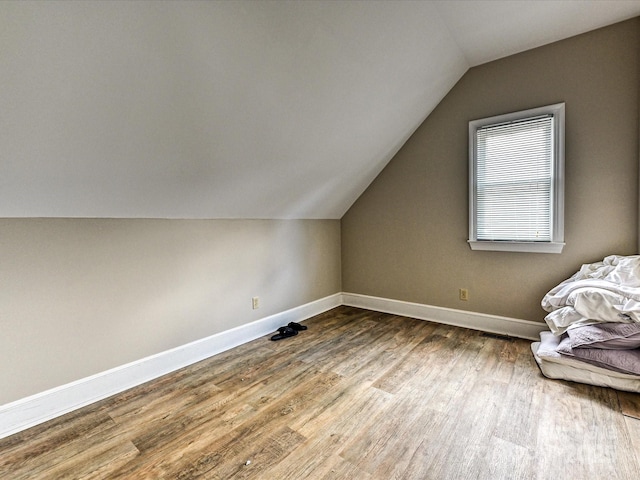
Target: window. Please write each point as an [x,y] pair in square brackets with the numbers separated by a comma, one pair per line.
[516,181]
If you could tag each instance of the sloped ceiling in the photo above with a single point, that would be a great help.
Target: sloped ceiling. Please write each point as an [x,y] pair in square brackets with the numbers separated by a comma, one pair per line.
[234,109]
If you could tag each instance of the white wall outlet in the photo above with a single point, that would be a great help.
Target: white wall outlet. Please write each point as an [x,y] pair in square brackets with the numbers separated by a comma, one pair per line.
[255,302]
[464,294]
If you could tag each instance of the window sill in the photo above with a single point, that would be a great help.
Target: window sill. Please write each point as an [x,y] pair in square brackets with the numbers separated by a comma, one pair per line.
[529,247]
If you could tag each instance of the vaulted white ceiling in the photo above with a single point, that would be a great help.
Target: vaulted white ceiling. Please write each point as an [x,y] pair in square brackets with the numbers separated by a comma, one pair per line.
[234,109]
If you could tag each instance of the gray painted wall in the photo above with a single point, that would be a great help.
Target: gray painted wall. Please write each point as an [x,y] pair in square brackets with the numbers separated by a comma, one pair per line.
[406,237]
[80,296]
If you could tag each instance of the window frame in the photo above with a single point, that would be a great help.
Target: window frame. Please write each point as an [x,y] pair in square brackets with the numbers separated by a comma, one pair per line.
[557,183]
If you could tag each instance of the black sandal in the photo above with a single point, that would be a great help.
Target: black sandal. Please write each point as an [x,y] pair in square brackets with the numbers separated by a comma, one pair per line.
[297,326]
[285,332]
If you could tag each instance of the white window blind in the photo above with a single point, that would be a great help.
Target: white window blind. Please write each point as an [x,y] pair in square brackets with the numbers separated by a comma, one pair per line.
[514,180]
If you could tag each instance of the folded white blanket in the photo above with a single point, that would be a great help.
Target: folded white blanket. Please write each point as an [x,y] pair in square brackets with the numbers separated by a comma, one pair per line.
[602,292]
[616,269]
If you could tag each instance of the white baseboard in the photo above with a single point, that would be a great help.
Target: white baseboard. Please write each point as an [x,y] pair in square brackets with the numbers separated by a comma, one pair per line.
[30,411]
[512,327]
[33,410]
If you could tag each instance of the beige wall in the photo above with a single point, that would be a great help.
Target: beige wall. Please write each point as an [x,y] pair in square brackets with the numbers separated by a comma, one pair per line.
[406,236]
[80,296]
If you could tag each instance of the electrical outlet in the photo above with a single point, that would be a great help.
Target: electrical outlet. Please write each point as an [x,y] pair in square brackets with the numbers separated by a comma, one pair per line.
[255,302]
[464,294]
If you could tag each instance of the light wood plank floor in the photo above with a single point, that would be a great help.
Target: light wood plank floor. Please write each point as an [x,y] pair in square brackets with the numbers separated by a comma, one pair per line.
[359,395]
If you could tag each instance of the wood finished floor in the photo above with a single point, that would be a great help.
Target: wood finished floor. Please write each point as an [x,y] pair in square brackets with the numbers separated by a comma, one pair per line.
[359,395]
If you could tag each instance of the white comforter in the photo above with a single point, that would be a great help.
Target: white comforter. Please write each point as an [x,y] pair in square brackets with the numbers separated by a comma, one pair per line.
[602,292]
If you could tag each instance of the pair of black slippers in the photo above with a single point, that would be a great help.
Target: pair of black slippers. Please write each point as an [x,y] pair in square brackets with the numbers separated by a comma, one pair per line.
[290,330]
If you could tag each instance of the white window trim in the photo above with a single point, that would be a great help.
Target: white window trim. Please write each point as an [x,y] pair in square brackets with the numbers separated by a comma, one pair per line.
[557,193]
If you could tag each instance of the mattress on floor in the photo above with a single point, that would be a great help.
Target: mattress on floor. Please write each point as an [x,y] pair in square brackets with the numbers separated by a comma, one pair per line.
[566,368]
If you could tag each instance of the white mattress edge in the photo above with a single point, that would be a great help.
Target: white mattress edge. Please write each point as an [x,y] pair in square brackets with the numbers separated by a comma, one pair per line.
[562,368]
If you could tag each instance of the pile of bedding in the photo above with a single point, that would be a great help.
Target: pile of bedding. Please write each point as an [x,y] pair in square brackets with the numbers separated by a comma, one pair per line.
[594,318]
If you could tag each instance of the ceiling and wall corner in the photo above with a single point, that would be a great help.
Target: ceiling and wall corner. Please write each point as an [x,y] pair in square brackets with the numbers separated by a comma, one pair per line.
[276,110]
[406,237]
